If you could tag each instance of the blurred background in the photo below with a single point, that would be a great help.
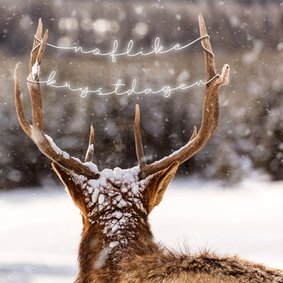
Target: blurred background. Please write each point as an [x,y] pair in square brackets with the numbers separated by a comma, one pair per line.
[248,35]
[40,228]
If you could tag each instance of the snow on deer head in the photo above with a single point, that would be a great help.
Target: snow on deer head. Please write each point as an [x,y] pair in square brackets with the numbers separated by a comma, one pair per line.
[116,203]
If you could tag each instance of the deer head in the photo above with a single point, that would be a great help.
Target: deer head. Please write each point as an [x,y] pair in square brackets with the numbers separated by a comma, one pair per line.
[115,204]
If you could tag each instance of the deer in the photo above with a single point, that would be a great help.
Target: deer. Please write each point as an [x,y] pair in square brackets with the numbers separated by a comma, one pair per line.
[117,244]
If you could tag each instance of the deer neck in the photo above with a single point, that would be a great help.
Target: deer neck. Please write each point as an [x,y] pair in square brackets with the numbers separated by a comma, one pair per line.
[117,221]
[101,254]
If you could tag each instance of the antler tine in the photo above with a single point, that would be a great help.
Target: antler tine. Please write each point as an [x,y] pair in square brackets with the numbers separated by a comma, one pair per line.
[18,94]
[36,44]
[90,150]
[138,139]
[36,131]
[210,112]
[34,87]
[208,54]
[19,103]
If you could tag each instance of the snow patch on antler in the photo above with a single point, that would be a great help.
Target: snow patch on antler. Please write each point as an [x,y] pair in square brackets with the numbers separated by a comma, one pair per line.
[56,148]
[225,74]
[40,138]
[92,167]
[35,71]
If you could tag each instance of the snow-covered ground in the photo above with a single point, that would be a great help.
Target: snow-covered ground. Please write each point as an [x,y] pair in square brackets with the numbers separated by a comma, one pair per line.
[40,229]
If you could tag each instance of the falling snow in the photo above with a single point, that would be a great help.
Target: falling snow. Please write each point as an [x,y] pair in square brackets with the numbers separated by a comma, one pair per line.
[245,34]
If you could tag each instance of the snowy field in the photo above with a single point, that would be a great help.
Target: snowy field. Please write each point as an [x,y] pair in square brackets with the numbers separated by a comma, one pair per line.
[40,229]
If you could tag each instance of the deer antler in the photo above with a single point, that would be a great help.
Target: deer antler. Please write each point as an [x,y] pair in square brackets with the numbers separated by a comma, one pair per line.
[210,114]
[89,153]
[36,130]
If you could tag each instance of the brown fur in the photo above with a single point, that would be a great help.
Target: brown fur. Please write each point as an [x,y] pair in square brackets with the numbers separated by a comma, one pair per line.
[167,266]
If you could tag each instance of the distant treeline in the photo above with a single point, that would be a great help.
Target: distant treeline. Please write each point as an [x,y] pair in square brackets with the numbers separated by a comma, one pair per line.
[98,23]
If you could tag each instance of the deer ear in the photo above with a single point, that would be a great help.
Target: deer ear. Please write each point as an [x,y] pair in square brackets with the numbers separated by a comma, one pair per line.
[73,188]
[158,184]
